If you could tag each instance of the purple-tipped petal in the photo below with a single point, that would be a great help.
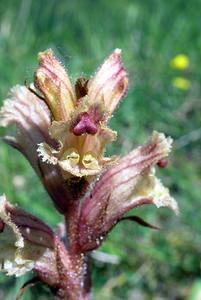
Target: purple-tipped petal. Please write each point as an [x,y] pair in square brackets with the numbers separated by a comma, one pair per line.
[53,82]
[109,84]
[128,184]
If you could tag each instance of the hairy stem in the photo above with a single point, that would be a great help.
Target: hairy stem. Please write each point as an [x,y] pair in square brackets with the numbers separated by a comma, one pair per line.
[79,260]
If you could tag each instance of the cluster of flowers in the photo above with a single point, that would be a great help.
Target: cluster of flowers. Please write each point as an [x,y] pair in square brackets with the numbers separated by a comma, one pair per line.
[63,130]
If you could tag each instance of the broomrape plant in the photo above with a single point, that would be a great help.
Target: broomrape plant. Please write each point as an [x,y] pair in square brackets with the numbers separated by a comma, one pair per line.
[63,130]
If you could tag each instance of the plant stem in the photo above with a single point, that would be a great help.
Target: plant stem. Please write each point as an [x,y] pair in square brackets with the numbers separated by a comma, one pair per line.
[79,260]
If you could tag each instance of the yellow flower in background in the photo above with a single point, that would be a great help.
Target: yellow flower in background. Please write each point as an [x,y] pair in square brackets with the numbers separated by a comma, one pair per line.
[180,62]
[181,83]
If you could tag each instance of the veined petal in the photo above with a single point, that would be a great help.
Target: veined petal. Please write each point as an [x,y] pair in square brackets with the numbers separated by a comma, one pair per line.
[26,242]
[32,119]
[126,185]
[52,80]
[109,84]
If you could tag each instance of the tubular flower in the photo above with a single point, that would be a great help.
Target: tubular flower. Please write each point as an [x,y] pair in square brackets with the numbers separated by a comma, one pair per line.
[32,119]
[26,243]
[80,115]
[128,184]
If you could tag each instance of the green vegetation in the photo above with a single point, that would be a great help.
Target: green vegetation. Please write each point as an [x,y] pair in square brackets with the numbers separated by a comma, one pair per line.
[154,265]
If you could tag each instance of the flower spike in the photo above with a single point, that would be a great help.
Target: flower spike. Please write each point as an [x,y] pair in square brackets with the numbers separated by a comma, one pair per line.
[63,131]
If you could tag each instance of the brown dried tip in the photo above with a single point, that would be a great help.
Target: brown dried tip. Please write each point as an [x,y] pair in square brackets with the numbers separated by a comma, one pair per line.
[81,89]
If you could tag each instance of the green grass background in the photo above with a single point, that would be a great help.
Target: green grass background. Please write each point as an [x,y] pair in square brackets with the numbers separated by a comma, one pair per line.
[152,265]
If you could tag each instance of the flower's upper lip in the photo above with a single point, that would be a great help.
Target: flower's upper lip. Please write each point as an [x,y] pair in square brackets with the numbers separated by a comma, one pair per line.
[53,82]
[107,87]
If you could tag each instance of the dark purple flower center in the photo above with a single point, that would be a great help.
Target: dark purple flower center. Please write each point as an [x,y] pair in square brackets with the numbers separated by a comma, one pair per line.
[85,124]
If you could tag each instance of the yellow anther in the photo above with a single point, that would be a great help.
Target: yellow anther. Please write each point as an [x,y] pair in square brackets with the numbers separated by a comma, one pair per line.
[72,156]
[90,161]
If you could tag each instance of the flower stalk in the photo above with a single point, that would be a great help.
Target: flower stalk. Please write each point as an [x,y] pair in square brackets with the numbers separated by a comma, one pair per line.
[63,131]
